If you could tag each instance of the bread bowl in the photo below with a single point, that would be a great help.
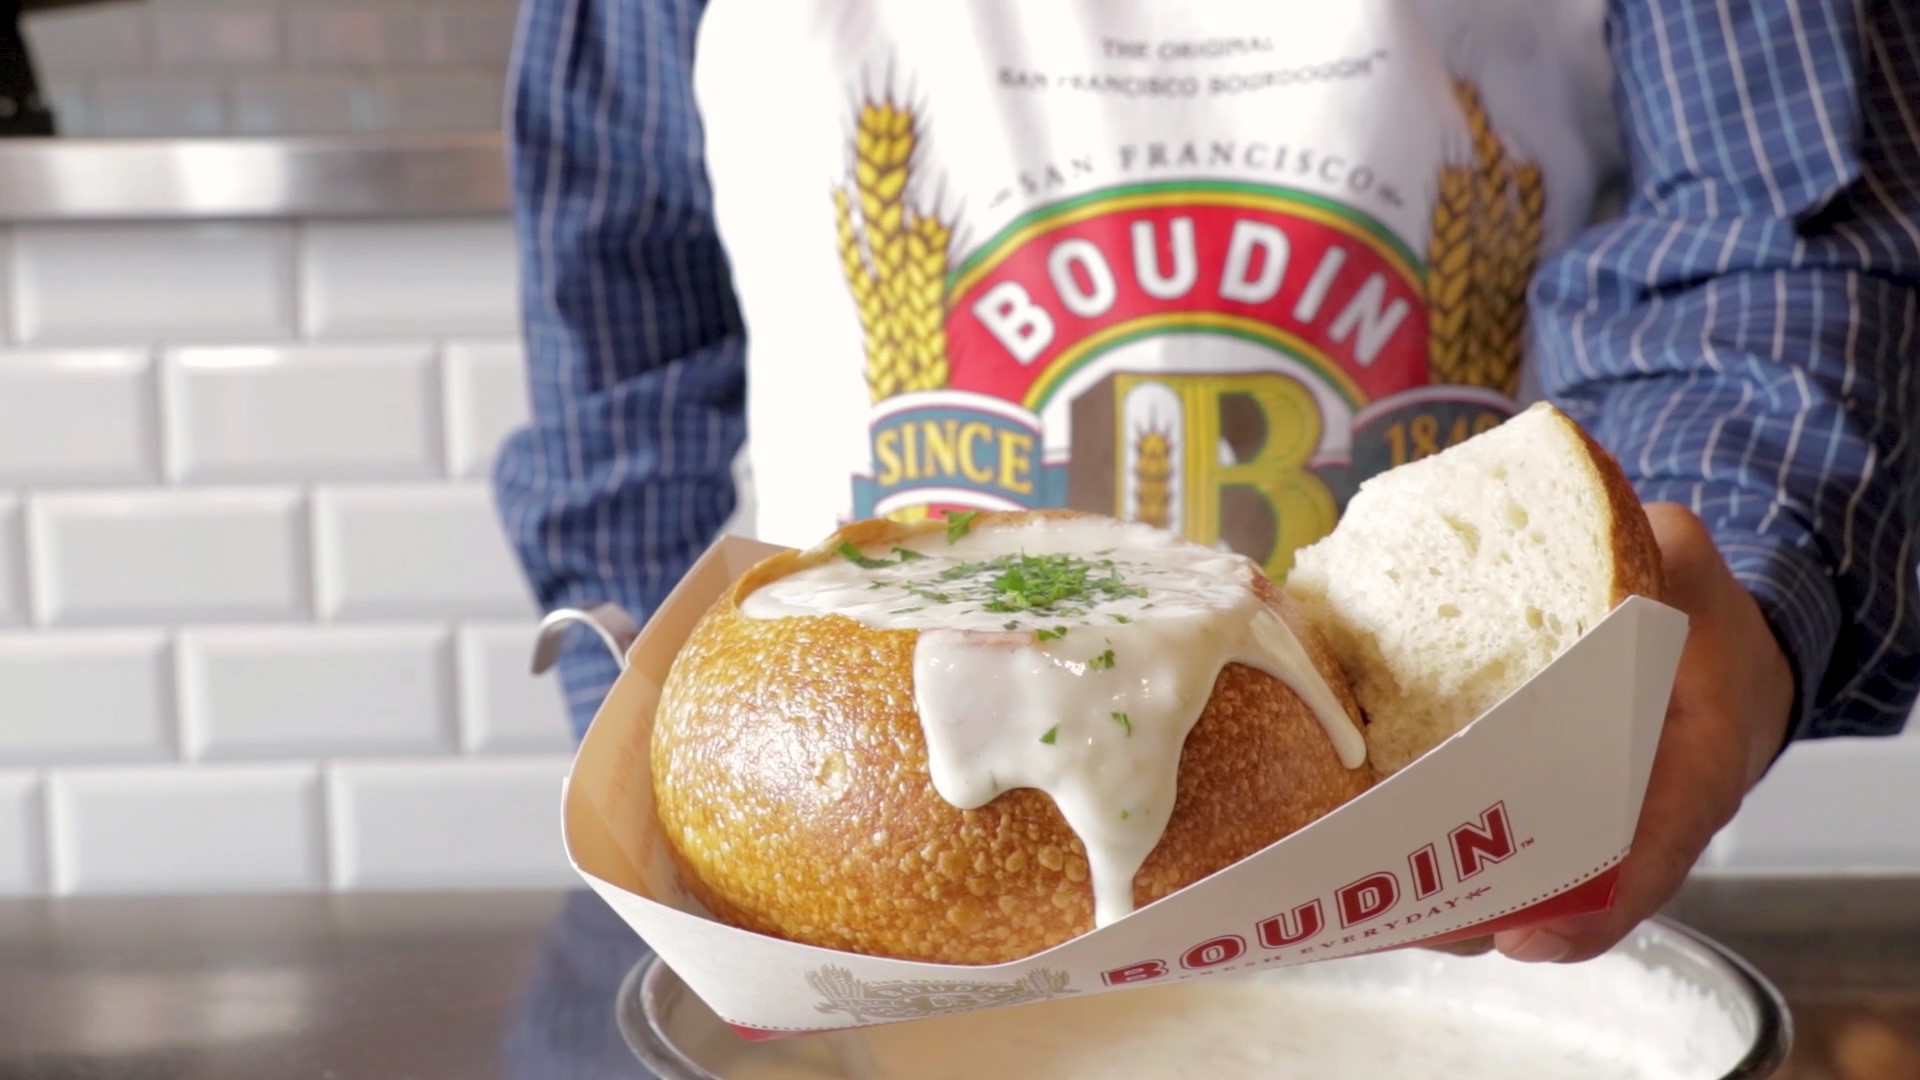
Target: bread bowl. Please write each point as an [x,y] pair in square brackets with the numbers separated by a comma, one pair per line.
[967,741]
[791,757]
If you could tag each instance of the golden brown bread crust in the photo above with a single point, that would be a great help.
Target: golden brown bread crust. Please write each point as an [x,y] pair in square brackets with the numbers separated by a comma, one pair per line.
[1636,555]
[798,803]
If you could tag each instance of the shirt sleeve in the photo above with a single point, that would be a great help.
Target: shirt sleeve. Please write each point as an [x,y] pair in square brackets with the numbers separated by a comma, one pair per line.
[634,342]
[1743,336]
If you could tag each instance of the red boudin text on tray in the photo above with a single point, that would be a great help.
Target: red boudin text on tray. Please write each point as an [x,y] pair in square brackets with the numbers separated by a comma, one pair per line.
[1472,847]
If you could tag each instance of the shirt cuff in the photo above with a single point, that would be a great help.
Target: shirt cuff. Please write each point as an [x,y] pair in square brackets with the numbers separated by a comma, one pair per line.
[1796,595]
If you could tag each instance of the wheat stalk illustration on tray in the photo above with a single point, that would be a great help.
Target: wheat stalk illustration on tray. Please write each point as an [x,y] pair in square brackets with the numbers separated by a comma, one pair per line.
[1481,253]
[906,999]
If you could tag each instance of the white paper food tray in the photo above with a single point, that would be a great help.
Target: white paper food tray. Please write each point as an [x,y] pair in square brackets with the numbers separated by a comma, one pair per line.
[1520,818]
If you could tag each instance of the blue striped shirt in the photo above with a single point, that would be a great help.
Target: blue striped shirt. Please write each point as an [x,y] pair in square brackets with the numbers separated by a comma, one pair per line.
[1741,336]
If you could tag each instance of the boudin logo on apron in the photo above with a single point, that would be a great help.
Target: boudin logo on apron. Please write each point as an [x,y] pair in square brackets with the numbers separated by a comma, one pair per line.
[1207,269]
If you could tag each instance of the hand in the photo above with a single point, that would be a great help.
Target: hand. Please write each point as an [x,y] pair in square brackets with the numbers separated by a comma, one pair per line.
[1726,721]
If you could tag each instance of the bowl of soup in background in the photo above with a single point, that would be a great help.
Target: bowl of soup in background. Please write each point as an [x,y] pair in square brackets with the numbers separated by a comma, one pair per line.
[1666,1004]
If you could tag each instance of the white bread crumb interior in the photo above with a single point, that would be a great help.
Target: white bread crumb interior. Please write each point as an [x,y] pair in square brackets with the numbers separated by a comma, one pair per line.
[1452,580]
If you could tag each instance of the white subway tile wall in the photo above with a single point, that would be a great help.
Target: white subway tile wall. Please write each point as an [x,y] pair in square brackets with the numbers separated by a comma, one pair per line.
[314,691]
[89,39]
[501,710]
[412,825]
[1840,805]
[133,106]
[160,555]
[269,67]
[293,103]
[486,399]
[23,835]
[467,34]
[366,279]
[361,36]
[413,551]
[208,828]
[215,37]
[86,696]
[46,395]
[200,281]
[264,411]
[13,563]
[448,99]
[247,547]
[6,277]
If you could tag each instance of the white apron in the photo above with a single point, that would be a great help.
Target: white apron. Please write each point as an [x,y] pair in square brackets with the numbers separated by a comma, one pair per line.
[1206,265]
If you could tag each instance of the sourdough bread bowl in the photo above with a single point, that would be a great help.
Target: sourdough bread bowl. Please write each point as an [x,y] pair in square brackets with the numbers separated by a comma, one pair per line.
[792,775]
[965,742]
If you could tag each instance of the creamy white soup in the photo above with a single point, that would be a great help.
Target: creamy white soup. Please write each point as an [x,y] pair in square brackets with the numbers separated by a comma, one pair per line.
[1291,1027]
[1071,656]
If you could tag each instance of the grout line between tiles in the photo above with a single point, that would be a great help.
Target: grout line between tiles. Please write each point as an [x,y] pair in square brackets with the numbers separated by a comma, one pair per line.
[174,694]
[17,566]
[40,859]
[58,870]
[34,574]
[297,279]
[9,273]
[439,421]
[454,684]
[323,827]
[166,406]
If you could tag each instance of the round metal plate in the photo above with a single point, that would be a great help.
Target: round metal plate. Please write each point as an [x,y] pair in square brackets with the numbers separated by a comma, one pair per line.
[670,1031]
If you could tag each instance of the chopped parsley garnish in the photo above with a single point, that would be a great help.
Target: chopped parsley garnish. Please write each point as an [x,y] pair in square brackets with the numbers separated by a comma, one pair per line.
[959,524]
[904,611]
[1057,585]
[1119,618]
[856,557]
[1123,720]
[1124,815]
[1102,662]
[908,554]
[1051,583]
[1045,634]
[1012,625]
[1052,733]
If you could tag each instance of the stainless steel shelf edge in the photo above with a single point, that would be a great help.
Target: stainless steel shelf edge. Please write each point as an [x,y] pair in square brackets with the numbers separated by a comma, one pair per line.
[44,180]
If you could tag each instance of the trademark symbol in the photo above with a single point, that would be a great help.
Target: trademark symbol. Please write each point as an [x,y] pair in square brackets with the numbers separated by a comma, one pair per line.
[1527,843]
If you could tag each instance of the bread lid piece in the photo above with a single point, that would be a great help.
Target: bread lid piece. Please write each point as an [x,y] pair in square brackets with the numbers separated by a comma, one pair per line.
[1452,580]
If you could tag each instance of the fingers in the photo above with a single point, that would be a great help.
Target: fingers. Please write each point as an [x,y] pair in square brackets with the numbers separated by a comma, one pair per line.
[1701,768]
[1687,801]
[1687,552]
[1469,947]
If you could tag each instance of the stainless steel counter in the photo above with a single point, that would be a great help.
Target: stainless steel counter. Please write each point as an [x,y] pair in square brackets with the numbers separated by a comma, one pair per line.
[481,986]
[166,179]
